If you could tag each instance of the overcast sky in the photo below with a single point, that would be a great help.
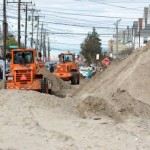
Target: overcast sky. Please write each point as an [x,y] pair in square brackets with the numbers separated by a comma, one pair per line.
[68,21]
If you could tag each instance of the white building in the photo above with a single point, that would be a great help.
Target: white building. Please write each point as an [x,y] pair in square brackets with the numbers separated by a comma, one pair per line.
[141,29]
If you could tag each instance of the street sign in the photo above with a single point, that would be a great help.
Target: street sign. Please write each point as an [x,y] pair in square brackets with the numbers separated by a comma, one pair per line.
[13,47]
[97,56]
[106,61]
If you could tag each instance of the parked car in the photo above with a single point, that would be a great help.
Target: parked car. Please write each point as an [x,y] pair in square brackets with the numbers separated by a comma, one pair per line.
[51,66]
[83,71]
[1,63]
[47,64]
[7,66]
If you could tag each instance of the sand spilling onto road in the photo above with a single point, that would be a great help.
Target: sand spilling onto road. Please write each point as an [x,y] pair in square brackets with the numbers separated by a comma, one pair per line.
[59,86]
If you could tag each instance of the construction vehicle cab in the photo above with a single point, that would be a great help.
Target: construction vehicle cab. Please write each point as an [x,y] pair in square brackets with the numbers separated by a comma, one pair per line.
[67,69]
[24,72]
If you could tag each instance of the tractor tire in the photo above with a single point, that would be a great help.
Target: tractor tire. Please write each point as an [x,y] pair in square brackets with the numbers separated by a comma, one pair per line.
[44,86]
[74,78]
[5,85]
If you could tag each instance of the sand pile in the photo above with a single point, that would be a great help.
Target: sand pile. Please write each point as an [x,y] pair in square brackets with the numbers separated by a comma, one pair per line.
[132,75]
[58,84]
[32,120]
[121,106]
[59,87]
[26,118]
[20,103]
[2,82]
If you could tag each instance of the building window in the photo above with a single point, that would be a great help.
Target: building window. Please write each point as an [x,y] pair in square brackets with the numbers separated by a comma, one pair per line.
[145,40]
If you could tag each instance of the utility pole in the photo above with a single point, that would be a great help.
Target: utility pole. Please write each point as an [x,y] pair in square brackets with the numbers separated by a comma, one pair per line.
[19,23]
[4,37]
[33,11]
[41,43]
[48,49]
[37,38]
[44,45]
[124,36]
[32,27]
[139,39]
[38,46]
[26,25]
[19,8]
[116,24]
[128,34]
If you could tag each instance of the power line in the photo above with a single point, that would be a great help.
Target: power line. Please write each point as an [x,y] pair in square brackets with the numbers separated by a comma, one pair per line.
[66,24]
[108,4]
[75,14]
[109,1]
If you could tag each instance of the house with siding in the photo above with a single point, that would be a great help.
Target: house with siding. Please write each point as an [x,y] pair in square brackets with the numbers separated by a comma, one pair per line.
[142,29]
[136,36]
[125,39]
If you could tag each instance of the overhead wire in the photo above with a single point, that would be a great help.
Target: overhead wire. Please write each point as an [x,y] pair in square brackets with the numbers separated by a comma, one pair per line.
[110,4]
[63,22]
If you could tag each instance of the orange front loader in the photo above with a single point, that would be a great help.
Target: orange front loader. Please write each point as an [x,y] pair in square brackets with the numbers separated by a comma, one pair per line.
[67,69]
[24,74]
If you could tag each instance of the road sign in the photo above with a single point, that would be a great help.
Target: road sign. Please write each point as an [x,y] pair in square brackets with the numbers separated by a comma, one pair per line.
[106,62]
[13,47]
[97,56]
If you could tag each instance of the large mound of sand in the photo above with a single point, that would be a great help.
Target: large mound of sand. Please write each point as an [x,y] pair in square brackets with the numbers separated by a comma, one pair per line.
[32,120]
[132,75]
[121,106]
[20,103]
[26,118]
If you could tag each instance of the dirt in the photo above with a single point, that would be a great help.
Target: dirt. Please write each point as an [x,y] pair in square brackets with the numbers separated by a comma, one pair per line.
[109,111]
[59,87]
[2,82]
[121,106]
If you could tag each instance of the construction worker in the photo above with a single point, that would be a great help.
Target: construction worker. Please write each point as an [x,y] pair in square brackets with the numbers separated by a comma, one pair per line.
[89,73]
[51,68]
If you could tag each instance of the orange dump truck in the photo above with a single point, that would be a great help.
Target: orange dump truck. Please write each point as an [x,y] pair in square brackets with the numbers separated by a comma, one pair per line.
[24,72]
[67,69]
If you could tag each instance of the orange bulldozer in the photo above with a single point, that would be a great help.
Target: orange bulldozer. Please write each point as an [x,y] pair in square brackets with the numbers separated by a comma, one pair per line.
[25,72]
[67,69]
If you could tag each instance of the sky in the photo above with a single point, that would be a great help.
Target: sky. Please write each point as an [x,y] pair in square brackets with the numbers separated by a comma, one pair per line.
[67,22]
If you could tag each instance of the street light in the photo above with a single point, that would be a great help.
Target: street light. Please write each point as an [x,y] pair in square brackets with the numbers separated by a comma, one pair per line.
[116,24]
